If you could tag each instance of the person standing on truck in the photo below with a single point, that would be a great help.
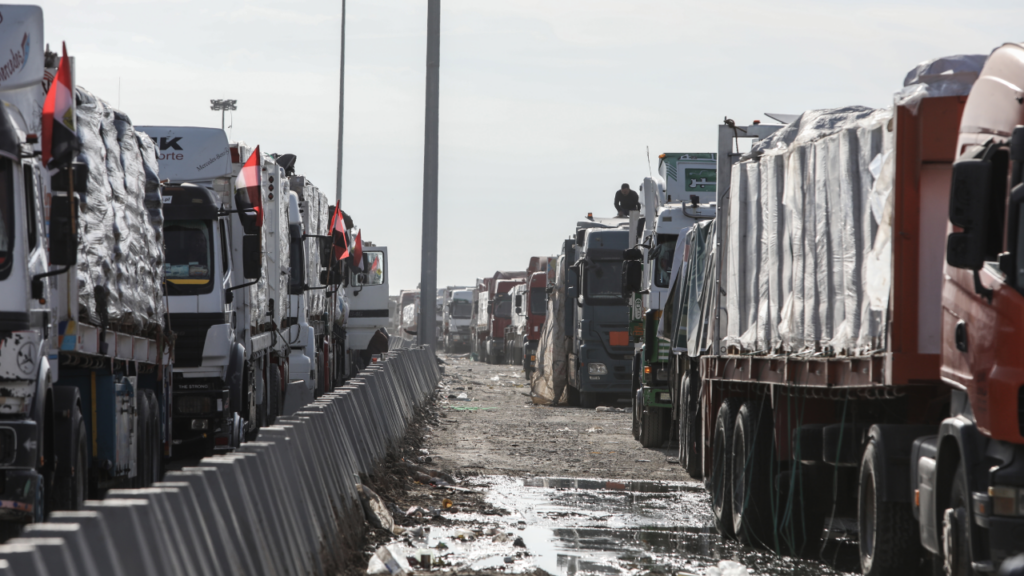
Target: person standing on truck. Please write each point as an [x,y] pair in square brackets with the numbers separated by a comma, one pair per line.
[626,201]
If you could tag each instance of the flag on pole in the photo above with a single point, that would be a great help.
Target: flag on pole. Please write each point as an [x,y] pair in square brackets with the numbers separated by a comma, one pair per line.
[249,180]
[340,237]
[60,141]
[357,254]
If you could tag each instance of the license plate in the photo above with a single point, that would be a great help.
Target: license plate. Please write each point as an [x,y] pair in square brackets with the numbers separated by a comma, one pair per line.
[618,338]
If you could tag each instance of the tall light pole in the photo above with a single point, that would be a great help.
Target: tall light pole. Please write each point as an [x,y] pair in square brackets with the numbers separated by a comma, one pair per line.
[341,106]
[223,106]
[428,260]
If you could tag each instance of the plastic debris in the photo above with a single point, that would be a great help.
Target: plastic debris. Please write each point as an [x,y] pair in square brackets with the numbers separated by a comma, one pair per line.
[446,503]
[462,396]
[604,409]
[728,568]
[389,559]
[463,534]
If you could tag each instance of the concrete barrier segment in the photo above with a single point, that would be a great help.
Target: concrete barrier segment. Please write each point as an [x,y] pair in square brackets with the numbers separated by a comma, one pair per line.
[347,457]
[74,539]
[55,554]
[196,532]
[239,492]
[281,526]
[23,559]
[310,479]
[268,529]
[296,494]
[218,515]
[367,418]
[142,549]
[349,420]
[97,538]
[169,522]
[325,457]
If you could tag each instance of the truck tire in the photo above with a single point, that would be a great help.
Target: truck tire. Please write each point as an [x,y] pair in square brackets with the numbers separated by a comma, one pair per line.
[70,492]
[637,407]
[274,389]
[572,395]
[142,463]
[889,540]
[956,528]
[156,460]
[720,478]
[752,455]
[652,426]
[690,454]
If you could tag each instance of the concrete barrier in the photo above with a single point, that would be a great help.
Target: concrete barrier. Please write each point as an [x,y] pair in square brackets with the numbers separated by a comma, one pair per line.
[284,505]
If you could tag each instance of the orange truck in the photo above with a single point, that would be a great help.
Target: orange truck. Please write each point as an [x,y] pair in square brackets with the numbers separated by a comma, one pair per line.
[857,358]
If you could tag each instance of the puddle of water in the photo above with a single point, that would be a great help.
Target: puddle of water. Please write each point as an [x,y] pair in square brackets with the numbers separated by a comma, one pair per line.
[573,526]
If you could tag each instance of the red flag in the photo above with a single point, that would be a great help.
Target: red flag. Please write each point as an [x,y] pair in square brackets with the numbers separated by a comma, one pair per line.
[60,142]
[250,181]
[340,237]
[357,254]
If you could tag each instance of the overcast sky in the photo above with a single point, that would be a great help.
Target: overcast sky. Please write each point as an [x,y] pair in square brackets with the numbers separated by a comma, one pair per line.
[546,106]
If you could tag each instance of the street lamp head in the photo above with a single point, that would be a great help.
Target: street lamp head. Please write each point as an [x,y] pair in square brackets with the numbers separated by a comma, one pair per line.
[223,104]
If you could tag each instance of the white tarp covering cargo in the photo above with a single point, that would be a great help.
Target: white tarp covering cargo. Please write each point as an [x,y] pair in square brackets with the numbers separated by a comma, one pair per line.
[120,262]
[551,376]
[807,227]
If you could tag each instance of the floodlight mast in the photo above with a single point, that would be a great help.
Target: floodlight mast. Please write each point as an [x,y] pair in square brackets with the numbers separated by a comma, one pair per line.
[223,106]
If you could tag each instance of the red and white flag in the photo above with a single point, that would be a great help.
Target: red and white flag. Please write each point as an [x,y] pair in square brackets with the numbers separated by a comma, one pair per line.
[340,237]
[60,141]
[250,180]
[357,253]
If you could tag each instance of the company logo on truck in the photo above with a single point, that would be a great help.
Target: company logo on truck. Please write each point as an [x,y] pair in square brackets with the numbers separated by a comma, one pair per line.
[172,145]
[16,63]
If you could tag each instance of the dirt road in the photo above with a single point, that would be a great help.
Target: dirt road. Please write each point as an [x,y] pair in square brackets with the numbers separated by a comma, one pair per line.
[498,430]
[550,490]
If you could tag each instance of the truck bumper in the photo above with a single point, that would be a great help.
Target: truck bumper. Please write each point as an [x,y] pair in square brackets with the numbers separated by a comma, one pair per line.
[201,417]
[657,397]
[19,495]
[615,380]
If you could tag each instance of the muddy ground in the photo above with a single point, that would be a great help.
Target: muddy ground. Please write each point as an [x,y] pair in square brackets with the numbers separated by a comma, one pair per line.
[549,490]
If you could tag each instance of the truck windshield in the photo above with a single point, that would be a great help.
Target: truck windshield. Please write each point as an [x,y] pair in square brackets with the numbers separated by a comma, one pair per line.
[372,272]
[538,303]
[461,308]
[189,256]
[661,257]
[6,216]
[503,307]
[603,280]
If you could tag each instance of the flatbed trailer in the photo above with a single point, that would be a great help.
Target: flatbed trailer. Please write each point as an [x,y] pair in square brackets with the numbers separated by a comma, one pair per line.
[866,408]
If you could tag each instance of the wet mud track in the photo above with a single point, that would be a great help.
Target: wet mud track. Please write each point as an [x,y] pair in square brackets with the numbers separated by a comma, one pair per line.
[560,491]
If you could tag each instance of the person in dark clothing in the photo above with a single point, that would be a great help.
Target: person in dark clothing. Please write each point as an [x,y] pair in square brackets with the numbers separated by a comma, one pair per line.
[626,201]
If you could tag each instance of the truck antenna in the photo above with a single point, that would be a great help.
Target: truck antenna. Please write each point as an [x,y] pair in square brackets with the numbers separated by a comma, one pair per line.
[649,169]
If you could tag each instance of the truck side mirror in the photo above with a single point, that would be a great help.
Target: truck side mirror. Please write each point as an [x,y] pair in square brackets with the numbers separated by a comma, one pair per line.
[633,254]
[519,300]
[63,236]
[632,277]
[59,181]
[581,235]
[325,252]
[519,310]
[248,214]
[971,187]
[252,257]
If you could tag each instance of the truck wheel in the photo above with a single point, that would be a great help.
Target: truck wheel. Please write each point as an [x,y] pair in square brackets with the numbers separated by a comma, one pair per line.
[156,460]
[274,394]
[70,492]
[889,540]
[690,454]
[752,456]
[142,464]
[721,484]
[651,426]
[637,407]
[956,529]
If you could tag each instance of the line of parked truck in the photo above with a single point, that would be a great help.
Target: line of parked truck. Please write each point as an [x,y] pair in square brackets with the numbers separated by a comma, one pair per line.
[164,291]
[827,325]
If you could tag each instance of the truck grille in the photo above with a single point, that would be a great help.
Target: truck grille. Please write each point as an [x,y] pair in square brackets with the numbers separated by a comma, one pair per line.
[190,331]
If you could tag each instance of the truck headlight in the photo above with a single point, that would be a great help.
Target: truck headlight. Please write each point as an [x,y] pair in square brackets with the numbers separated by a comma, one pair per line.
[596,369]
[1007,500]
[662,374]
[200,424]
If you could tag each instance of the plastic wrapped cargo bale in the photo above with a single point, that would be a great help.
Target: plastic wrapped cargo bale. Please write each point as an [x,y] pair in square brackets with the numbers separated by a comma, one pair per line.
[120,265]
[946,76]
[551,376]
[802,191]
